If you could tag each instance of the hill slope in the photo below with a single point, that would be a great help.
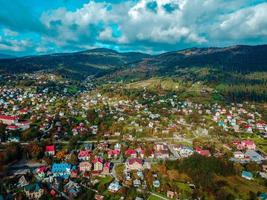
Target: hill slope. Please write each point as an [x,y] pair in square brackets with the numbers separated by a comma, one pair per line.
[102,61]
[89,62]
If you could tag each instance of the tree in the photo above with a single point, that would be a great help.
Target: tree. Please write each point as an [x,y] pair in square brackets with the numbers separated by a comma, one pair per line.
[60,154]
[34,150]
[73,159]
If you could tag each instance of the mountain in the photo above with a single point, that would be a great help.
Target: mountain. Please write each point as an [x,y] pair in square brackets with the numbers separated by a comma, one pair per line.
[102,61]
[90,62]
[235,58]
[5,56]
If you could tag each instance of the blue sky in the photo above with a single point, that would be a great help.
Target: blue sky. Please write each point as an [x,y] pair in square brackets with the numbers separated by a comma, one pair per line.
[30,27]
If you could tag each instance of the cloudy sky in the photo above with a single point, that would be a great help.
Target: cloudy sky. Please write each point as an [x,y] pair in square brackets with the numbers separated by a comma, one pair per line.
[153,26]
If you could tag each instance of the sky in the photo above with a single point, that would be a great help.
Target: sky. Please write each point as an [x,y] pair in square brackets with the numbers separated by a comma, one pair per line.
[30,27]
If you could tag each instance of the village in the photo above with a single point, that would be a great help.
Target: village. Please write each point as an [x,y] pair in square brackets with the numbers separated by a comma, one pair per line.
[67,140]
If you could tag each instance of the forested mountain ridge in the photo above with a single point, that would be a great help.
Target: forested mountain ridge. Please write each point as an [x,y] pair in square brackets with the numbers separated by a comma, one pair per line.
[101,61]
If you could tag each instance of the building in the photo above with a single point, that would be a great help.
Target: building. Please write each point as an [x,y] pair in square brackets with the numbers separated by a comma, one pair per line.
[85,166]
[98,164]
[33,191]
[134,164]
[254,156]
[61,170]
[8,120]
[114,186]
[247,175]
[50,150]
[84,155]
[239,155]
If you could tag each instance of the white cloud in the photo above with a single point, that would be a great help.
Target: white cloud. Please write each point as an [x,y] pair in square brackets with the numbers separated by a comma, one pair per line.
[8,32]
[246,23]
[14,45]
[187,23]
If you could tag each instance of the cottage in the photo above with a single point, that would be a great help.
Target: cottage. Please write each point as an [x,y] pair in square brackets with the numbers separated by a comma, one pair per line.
[8,120]
[33,191]
[247,175]
[239,155]
[41,171]
[185,151]
[106,169]
[12,127]
[156,183]
[161,151]
[22,182]
[245,144]
[98,164]
[134,164]
[136,183]
[50,150]
[170,194]
[61,170]
[72,188]
[202,152]
[84,155]
[131,153]
[114,186]
[113,153]
[85,166]
[254,156]
[99,197]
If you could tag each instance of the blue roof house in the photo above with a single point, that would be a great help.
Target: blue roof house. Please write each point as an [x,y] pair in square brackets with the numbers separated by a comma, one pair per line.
[247,175]
[62,170]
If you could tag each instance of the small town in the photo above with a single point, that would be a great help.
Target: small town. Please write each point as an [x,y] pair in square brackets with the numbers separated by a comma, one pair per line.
[133,100]
[110,142]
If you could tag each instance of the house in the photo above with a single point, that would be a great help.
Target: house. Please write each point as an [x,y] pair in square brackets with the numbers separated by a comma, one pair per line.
[41,171]
[85,166]
[185,151]
[106,169]
[170,194]
[117,146]
[136,183]
[23,125]
[72,189]
[33,191]
[98,164]
[50,150]
[131,153]
[113,153]
[254,156]
[262,196]
[134,164]
[202,152]
[12,127]
[74,173]
[247,175]
[245,144]
[156,183]
[248,128]
[260,125]
[99,197]
[114,187]
[84,155]
[88,146]
[8,120]
[22,182]
[13,139]
[239,155]
[161,151]
[248,144]
[61,170]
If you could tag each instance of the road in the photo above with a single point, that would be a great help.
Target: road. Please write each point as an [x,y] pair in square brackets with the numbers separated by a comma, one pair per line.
[154,194]
[146,139]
